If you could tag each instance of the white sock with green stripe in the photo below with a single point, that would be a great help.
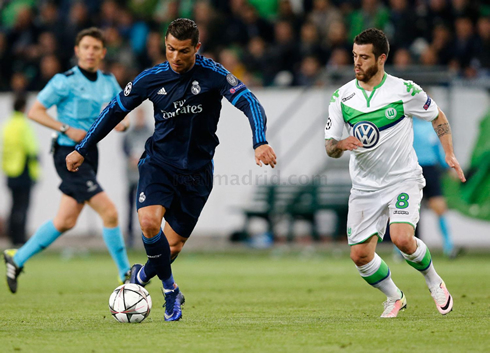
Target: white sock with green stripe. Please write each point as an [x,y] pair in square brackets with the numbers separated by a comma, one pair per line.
[377,274]
[421,260]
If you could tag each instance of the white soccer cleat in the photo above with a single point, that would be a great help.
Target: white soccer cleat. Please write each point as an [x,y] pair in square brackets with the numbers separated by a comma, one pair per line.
[442,298]
[393,306]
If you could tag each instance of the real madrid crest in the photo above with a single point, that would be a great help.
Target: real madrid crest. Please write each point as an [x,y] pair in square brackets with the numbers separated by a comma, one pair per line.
[195,89]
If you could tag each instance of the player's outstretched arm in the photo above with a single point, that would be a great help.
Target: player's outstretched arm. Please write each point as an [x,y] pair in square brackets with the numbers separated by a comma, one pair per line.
[38,113]
[265,154]
[335,149]
[73,161]
[443,131]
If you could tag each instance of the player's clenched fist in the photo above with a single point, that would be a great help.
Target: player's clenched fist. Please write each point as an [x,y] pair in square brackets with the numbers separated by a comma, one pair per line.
[265,154]
[73,161]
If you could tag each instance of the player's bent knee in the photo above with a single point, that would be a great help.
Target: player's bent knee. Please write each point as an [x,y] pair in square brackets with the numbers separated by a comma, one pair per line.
[360,257]
[110,217]
[176,248]
[65,225]
[150,226]
[406,243]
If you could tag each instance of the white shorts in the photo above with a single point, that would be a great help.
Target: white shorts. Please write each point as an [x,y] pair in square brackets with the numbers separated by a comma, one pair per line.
[369,211]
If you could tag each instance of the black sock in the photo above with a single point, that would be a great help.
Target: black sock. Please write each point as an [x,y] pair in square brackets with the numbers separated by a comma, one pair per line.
[158,252]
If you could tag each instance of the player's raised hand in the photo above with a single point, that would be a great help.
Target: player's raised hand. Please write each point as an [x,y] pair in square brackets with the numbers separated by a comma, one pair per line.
[73,161]
[265,154]
[453,163]
[75,134]
[350,143]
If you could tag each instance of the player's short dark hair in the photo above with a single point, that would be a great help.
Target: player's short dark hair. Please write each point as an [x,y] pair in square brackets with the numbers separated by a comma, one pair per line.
[183,29]
[20,102]
[375,37]
[93,32]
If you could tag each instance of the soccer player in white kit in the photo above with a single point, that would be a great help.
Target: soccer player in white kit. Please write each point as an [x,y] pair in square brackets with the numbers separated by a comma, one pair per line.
[377,109]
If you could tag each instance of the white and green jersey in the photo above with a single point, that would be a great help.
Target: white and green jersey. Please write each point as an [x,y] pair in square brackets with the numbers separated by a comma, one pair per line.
[381,120]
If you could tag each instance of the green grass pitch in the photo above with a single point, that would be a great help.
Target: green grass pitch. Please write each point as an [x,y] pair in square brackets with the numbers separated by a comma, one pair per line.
[246,302]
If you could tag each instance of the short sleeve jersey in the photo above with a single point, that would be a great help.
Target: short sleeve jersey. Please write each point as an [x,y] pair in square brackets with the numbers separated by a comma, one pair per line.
[382,121]
[78,100]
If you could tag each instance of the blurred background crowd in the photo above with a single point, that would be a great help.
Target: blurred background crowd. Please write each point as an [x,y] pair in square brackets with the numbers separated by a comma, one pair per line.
[262,42]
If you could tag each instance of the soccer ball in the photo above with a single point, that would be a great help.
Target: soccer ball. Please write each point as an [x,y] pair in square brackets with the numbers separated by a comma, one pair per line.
[130,303]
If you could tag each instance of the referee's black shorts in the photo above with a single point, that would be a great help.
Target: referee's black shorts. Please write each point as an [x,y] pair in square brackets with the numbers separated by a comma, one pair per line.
[81,185]
[432,175]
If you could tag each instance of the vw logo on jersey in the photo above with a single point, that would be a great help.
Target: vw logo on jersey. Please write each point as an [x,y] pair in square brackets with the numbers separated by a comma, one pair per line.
[391,113]
[367,133]
[195,89]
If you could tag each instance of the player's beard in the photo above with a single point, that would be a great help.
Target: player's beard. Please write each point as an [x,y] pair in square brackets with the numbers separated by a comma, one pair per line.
[368,74]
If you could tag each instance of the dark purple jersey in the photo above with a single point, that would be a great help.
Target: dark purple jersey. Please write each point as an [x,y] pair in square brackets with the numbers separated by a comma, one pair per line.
[186,109]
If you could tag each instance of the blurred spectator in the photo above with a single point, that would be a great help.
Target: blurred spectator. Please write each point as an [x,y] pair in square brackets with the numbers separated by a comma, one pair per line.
[256,25]
[109,14]
[340,58]
[402,59]
[11,10]
[310,44]
[135,32]
[257,61]
[48,67]
[371,14]
[78,19]
[337,37]
[33,30]
[154,53]
[117,48]
[229,59]
[310,72]
[144,9]
[465,8]
[438,13]
[286,13]
[483,55]
[24,34]
[165,12]
[210,26]
[429,57]
[19,82]
[284,51]
[465,46]
[442,44]
[134,146]
[266,8]
[403,24]
[324,14]
[20,165]
[49,19]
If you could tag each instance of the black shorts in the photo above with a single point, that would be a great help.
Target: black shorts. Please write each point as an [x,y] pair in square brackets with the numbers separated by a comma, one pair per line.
[81,185]
[182,195]
[432,175]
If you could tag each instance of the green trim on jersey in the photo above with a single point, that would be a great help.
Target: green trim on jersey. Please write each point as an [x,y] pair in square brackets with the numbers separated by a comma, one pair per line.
[368,99]
[378,117]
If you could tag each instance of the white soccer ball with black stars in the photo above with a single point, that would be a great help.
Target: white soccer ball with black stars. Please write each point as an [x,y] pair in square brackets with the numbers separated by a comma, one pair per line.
[130,303]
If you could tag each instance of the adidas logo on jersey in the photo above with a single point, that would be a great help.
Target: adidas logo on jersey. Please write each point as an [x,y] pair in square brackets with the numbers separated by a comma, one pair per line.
[162,91]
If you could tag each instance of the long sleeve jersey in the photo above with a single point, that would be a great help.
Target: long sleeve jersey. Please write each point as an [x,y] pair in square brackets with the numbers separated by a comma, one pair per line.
[186,110]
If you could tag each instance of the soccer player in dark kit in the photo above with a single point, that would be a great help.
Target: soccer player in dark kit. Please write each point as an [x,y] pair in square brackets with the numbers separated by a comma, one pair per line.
[176,169]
